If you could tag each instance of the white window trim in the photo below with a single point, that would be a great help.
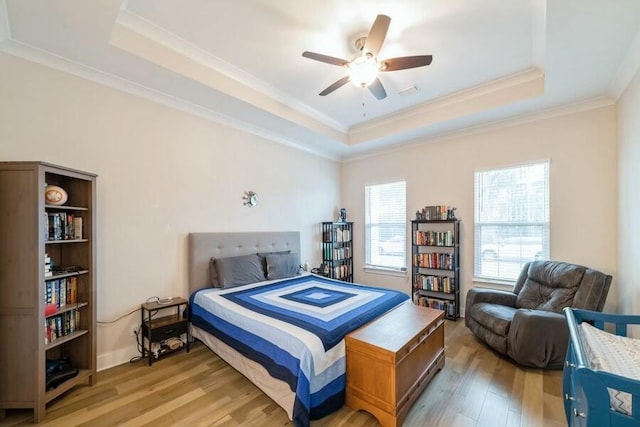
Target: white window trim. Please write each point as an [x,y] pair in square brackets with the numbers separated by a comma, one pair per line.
[501,285]
[387,271]
[380,269]
[513,165]
[494,283]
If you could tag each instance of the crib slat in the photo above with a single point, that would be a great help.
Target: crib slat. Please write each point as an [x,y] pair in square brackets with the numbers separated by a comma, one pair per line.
[621,329]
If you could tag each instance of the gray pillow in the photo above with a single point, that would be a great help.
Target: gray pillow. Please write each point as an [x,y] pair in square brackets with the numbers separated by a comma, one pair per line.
[263,258]
[282,266]
[213,273]
[239,270]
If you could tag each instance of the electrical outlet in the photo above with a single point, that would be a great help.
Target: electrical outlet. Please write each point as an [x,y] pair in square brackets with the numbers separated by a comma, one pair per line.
[134,330]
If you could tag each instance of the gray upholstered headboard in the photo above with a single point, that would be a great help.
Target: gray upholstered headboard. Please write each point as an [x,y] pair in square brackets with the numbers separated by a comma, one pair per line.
[204,246]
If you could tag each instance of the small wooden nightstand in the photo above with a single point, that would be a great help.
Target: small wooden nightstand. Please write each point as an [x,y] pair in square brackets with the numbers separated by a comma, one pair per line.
[160,329]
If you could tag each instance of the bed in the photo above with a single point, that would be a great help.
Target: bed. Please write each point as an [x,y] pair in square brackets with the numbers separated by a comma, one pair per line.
[601,376]
[285,334]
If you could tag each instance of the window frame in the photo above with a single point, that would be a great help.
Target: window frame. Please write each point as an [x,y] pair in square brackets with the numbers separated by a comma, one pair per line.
[369,264]
[543,225]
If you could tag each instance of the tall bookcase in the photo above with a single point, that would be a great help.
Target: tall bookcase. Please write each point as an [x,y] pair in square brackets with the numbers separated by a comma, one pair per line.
[33,331]
[436,265]
[337,250]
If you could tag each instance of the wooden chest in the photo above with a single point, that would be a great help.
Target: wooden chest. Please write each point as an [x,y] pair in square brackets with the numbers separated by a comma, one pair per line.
[391,360]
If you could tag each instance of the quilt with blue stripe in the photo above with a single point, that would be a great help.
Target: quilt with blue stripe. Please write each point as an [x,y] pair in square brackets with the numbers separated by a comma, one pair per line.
[295,328]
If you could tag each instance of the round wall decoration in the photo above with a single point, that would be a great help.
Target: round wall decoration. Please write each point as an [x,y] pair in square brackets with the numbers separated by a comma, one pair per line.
[250,198]
[54,195]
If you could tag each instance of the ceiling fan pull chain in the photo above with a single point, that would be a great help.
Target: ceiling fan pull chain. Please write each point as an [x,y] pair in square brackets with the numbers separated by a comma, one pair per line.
[364,97]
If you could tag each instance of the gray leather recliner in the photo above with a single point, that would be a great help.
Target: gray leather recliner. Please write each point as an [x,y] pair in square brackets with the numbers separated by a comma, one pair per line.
[527,324]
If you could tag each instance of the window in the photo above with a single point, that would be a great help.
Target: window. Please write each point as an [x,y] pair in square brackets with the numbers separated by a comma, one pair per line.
[511,220]
[386,225]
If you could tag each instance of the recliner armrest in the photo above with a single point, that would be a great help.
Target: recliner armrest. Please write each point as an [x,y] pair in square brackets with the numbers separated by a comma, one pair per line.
[493,296]
[538,338]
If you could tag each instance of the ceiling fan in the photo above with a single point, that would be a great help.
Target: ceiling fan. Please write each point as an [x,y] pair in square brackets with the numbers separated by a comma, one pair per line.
[363,70]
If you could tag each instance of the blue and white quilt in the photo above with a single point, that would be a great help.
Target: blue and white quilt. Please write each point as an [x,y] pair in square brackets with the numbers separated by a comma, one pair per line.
[295,328]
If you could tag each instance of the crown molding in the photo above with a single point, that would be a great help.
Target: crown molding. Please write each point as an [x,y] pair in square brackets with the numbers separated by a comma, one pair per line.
[159,35]
[163,56]
[506,90]
[47,59]
[629,67]
[492,126]
[5,31]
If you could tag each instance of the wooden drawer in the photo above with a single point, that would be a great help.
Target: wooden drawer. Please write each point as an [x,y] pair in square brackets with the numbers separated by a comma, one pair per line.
[165,327]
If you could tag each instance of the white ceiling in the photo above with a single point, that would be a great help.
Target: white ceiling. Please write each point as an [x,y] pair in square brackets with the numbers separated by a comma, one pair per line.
[239,62]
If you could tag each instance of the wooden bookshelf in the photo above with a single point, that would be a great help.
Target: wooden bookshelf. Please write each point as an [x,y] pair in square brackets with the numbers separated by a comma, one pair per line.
[23,218]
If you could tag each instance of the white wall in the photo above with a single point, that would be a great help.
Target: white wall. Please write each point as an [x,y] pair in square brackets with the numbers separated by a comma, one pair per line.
[162,174]
[629,199]
[583,199]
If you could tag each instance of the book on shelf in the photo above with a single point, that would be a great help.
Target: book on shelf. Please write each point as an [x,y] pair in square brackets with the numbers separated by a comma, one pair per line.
[73,290]
[68,230]
[77,227]
[337,235]
[442,261]
[61,325]
[434,238]
[449,307]
[46,226]
[48,267]
[55,226]
[446,284]
[63,226]
[340,271]
[60,292]
[336,254]
[436,213]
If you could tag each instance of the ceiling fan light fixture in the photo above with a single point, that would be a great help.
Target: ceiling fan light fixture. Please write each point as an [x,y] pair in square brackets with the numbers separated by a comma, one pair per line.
[363,70]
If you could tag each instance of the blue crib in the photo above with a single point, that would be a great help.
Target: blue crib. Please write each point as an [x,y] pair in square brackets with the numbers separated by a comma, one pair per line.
[586,398]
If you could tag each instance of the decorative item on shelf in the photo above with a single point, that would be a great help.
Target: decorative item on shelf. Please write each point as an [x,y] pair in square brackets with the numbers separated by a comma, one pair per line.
[343,215]
[435,213]
[250,198]
[55,195]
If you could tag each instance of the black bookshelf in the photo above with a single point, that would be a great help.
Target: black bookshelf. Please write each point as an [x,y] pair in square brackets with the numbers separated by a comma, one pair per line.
[435,260]
[337,250]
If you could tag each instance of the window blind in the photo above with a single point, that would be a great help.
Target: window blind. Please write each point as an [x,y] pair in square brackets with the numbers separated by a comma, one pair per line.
[511,219]
[385,226]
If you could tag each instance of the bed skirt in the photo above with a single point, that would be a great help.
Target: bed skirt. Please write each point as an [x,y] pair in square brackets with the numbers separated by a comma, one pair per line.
[279,391]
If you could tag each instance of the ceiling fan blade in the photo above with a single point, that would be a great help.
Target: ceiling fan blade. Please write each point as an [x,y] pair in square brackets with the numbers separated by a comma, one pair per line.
[377,89]
[325,58]
[335,86]
[377,34]
[405,62]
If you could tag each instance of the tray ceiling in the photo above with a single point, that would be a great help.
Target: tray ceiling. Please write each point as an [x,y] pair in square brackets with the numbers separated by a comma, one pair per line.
[240,62]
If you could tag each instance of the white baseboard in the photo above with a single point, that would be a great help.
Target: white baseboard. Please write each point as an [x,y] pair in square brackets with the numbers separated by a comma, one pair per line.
[118,357]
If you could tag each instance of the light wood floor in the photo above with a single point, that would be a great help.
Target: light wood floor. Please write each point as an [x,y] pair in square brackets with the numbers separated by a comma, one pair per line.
[476,388]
